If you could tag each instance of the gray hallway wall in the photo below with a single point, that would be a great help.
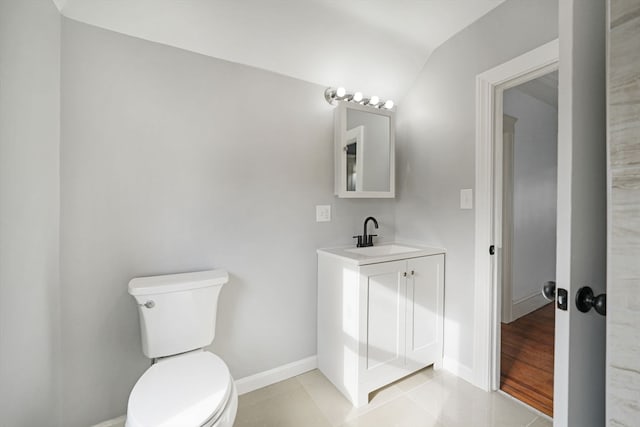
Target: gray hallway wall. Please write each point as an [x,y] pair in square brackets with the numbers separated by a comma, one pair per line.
[29,212]
[535,164]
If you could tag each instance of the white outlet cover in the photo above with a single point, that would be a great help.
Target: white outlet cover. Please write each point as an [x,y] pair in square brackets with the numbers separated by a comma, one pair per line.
[466,198]
[323,213]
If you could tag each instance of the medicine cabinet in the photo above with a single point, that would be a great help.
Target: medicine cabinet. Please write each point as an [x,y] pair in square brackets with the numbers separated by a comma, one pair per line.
[364,151]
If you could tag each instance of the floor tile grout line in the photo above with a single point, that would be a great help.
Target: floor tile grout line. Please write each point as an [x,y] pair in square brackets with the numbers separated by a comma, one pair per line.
[535,420]
[401,393]
[315,389]
[313,400]
[355,416]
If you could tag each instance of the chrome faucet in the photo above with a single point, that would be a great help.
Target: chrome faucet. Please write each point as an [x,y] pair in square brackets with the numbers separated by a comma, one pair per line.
[365,239]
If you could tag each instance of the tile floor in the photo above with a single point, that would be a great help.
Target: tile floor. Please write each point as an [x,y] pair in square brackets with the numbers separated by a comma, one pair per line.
[424,399]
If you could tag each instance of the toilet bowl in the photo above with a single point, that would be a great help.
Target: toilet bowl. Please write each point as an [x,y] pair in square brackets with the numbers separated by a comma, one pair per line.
[186,386]
[192,389]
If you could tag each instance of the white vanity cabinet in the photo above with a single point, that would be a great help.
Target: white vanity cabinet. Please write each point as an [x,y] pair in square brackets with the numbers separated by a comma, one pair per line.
[378,321]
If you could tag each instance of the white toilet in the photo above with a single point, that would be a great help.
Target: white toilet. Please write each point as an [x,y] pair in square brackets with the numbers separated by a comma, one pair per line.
[186,386]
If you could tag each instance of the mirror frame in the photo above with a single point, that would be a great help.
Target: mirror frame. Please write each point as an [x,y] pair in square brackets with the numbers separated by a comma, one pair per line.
[340,159]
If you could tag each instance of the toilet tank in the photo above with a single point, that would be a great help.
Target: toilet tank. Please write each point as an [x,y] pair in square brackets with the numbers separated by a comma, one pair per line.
[177,311]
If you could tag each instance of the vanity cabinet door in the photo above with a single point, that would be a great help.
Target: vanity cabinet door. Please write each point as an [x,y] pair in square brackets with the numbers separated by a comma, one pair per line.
[424,301]
[383,315]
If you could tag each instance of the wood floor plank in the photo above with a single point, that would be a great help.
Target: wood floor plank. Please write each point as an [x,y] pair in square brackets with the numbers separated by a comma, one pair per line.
[526,362]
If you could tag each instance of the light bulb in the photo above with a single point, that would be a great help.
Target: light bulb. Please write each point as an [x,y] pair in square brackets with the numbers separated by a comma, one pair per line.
[357,97]
[374,100]
[389,104]
[341,92]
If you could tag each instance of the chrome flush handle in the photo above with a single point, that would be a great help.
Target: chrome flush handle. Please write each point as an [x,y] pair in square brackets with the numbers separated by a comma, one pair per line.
[148,304]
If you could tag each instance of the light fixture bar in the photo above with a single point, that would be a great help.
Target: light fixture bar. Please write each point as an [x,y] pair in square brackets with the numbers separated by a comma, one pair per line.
[341,94]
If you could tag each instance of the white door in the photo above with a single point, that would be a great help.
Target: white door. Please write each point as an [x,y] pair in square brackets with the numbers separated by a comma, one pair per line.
[579,382]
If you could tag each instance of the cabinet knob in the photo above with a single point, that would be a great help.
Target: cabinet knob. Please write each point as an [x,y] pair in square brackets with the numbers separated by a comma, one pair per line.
[404,274]
[413,273]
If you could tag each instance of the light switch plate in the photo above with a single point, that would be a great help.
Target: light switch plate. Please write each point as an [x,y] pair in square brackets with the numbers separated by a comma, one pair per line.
[466,198]
[323,213]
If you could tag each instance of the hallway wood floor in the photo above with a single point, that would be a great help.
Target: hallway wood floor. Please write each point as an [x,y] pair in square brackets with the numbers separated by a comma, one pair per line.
[526,362]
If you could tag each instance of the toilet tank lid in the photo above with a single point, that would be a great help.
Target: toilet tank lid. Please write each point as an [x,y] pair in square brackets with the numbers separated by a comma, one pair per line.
[177,282]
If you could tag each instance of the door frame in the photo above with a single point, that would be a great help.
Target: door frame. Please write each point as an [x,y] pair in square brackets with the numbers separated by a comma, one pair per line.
[490,86]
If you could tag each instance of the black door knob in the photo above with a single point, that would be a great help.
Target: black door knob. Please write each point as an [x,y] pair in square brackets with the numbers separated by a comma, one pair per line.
[549,290]
[585,300]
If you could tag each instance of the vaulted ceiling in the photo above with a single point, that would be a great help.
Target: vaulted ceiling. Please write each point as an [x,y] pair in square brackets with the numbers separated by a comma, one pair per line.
[375,46]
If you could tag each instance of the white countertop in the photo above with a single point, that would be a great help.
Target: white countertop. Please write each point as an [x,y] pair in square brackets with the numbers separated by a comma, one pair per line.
[380,253]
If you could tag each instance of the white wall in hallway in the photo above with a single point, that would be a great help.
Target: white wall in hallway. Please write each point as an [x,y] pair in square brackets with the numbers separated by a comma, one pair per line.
[535,191]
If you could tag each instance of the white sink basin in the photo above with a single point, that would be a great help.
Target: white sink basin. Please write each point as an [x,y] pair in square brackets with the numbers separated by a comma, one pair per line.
[380,253]
[376,251]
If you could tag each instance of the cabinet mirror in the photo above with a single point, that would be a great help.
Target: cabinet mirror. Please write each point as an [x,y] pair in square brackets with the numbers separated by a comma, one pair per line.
[364,151]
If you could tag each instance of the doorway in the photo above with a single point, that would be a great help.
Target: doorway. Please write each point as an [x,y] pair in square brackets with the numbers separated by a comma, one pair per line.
[581,220]
[490,86]
[528,253]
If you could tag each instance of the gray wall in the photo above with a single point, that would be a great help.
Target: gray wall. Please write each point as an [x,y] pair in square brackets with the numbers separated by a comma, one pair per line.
[29,212]
[535,185]
[436,144]
[173,161]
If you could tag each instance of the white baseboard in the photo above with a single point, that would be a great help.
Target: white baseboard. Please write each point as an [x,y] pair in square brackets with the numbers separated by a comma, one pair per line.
[114,422]
[458,369]
[272,376]
[528,304]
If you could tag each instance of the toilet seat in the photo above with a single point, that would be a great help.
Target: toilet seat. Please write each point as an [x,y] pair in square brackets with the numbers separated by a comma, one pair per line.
[189,390]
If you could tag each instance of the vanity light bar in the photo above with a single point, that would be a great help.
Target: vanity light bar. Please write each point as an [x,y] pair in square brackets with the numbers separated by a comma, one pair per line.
[341,94]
